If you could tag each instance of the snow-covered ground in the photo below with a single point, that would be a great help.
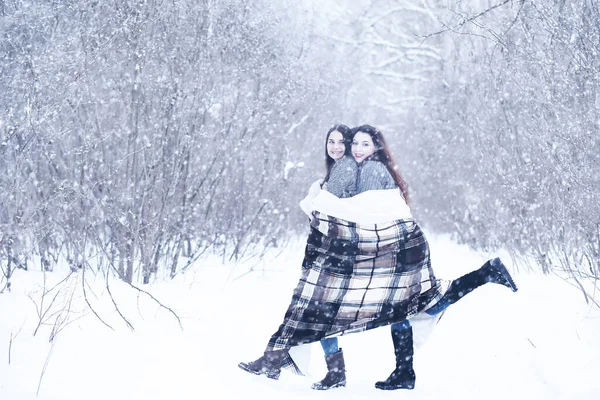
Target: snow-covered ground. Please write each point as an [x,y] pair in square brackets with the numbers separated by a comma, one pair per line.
[538,343]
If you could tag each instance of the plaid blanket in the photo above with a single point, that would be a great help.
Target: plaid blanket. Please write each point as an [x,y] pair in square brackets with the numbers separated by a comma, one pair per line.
[357,277]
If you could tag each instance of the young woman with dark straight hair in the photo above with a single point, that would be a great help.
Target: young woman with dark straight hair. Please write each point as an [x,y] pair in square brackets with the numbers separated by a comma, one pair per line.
[340,181]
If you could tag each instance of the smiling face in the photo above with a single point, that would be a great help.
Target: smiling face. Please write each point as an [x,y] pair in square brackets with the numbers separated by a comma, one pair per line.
[335,145]
[362,146]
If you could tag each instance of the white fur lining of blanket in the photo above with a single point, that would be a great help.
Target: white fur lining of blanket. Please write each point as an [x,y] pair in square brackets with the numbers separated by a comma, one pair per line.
[370,207]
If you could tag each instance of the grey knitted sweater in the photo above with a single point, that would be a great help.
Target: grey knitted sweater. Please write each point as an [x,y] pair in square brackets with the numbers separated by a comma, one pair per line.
[373,175]
[342,178]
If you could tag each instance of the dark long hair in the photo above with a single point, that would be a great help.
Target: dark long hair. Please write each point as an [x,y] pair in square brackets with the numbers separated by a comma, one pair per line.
[345,131]
[382,154]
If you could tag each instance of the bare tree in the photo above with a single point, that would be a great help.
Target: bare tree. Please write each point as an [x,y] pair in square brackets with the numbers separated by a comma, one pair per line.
[142,134]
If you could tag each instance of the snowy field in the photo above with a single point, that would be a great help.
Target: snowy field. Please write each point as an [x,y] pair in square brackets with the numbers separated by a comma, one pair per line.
[538,343]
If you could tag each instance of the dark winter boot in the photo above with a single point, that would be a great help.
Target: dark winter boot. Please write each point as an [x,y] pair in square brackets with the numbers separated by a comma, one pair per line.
[497,273]
[492,271]
[269,364]
[403,376]
[336,372]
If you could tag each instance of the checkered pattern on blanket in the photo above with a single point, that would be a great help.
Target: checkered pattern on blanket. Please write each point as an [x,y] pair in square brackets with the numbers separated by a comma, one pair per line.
[355,278]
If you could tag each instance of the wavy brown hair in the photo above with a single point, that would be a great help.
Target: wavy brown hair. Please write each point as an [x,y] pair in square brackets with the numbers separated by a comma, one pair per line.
[383,155]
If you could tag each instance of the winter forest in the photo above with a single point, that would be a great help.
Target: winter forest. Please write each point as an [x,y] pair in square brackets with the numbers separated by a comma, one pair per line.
[138,137]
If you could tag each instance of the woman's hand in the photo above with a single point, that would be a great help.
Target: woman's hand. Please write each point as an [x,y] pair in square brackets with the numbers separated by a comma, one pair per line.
[315,188]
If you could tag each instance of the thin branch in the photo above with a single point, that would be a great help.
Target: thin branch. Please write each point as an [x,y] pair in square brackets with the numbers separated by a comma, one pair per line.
[579,287]
[465,21]
[135,287]
[83,283]
[195,257]
[158,302]
[44,368]
[11,340]
[514,21]
[398,76]
[115,303]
